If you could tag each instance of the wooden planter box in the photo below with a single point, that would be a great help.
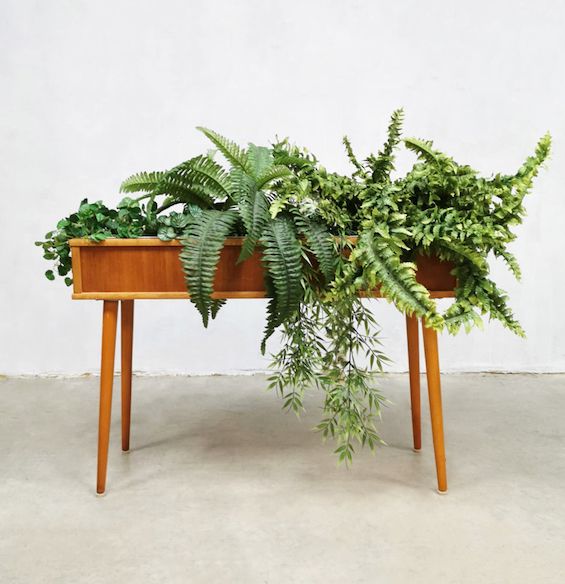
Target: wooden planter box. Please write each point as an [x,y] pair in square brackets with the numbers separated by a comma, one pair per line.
[119,271]
[129,269]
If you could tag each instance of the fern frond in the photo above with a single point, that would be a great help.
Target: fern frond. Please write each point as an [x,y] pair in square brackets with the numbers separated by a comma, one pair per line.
[145,182]
[201,253]
[510,260]
[383,164]
[187,193]
[322,245]
[397,280]
[495,301]
[254,210]
[272,320]
[201,173]
[293,161]
[351,156]
[422,148]
[260,158]
[461,314]
[271,174]
[523,179]
[459,250]
[241,184]
[283,259]
[217,303]
[231,151]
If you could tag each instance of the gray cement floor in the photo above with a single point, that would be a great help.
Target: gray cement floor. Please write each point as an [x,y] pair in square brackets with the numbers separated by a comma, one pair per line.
[220,486]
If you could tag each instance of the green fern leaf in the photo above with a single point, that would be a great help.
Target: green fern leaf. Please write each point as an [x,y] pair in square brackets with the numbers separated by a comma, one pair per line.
[383,266]
[352,157]
[187,193]
[231,151]
[241,184]
[215,306]
[322,245]
[201,253]
[459,250]
[273,319]
[461,314]
[205,172]
[510,260]
[383,164]
[283,259]
[259,158]
[422,148]
[145,182]
[271,174]
[254,210]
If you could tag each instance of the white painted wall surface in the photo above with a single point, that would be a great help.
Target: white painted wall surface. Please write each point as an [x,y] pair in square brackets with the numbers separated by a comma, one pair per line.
[92,91]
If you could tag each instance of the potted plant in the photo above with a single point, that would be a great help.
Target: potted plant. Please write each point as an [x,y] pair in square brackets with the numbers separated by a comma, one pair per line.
[314,242]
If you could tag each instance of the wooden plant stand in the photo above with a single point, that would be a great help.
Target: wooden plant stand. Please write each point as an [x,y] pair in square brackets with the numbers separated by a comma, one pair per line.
[120,271]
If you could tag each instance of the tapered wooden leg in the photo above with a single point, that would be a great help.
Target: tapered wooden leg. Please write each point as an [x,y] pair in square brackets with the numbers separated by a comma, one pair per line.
[436,412]
[127,353]
[414,374]
[109,322]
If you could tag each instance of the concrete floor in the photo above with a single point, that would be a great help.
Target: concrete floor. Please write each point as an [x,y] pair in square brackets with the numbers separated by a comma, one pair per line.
[222,487]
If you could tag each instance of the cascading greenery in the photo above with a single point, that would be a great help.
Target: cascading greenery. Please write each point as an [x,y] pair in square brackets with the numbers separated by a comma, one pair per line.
[302,219]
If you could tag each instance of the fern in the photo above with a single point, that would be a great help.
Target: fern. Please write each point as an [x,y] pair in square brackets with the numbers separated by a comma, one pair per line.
[259,159]
[461,314]
[352,158]
[321,244]
[273,319]
[254,210]
[145,182]
[217,303]
[270,174]
[203,174]
[240,184]
[283,260]
[397,280]
[179,190]
[459,250]
[383,164]
[200,255]
[422,148]
[529,170]
[510,260]
[231,151]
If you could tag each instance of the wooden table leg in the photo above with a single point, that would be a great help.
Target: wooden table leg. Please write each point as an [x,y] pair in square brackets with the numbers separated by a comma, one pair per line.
[414,374]
[109,322]
[436,412]
[127,354]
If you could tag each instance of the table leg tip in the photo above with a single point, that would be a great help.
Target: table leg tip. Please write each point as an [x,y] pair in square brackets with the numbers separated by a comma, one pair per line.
[440,492]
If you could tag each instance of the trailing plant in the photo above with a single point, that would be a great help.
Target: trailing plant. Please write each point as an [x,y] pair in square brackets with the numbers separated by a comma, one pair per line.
[327,240]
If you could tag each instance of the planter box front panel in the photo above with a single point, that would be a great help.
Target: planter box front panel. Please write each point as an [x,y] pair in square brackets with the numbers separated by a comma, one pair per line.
[120,269]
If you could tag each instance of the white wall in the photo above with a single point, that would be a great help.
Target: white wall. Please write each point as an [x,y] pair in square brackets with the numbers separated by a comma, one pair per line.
[93,91]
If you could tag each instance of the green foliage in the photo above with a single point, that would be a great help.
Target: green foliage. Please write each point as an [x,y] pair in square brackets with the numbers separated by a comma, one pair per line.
[142,182]
[383,164]
[381,266]
[320,243]
[200,255]
[93,221]
[254,209]
[301,217]
[283,259]
[236,156]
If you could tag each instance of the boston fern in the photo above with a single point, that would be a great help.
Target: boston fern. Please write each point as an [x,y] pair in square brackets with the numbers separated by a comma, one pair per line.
[326,240]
